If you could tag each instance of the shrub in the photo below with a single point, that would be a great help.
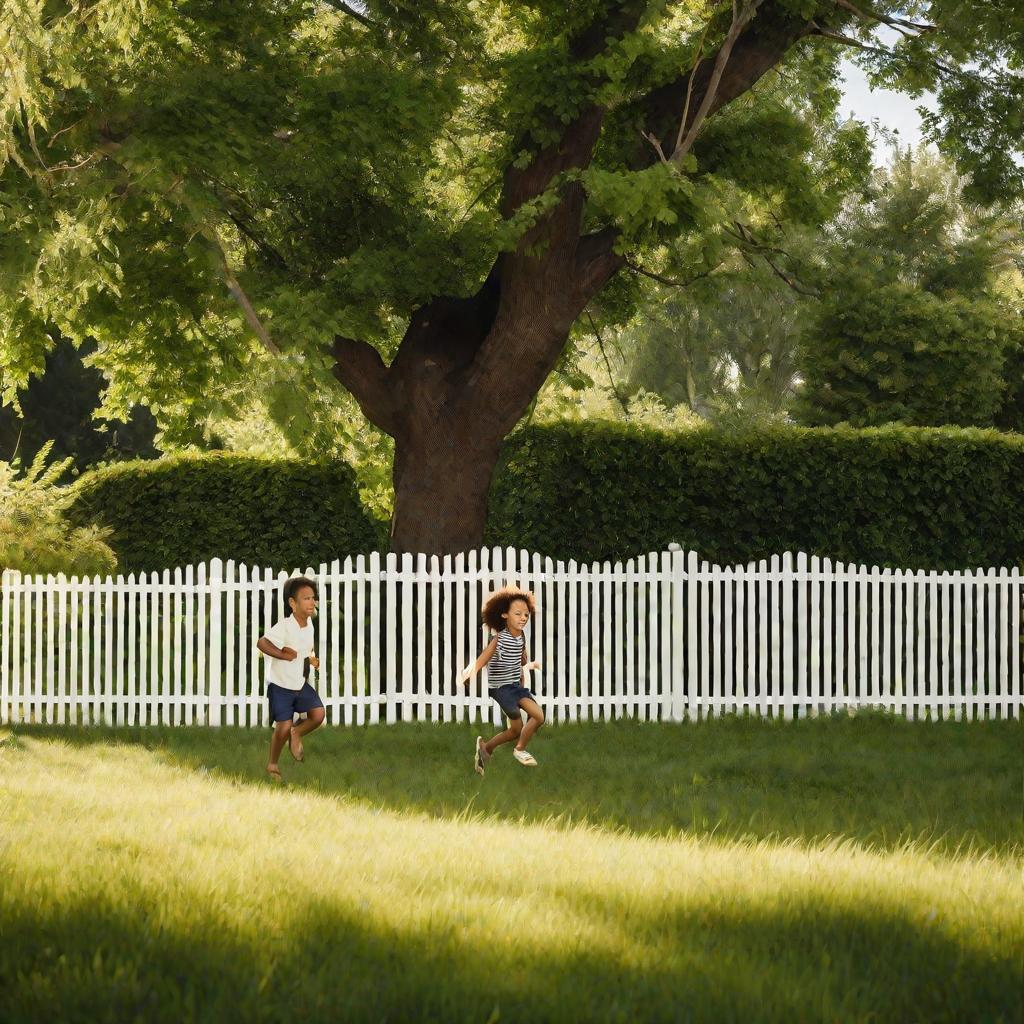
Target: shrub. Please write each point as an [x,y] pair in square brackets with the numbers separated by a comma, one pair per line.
[35,536]
[190,508]
[897,496]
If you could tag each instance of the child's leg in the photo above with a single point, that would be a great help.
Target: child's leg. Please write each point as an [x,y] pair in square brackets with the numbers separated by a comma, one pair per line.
[314,719]
[278,738]
[534,721]
[515,727]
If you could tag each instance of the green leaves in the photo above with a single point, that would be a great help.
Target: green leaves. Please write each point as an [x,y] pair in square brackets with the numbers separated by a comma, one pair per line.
[898,496]
[35,536]
[913,325]
[633,201]
[281,513]
[156,158]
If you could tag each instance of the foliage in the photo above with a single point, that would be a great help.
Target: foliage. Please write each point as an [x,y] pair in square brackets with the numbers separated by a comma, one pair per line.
[283,513]
[279,410]
[342,168]
[35,535]
[725,347]
[897,496]
[914,325]
[60,404]
[897,354]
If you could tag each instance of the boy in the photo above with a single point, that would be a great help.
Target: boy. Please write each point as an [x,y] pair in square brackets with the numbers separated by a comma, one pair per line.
[287,645]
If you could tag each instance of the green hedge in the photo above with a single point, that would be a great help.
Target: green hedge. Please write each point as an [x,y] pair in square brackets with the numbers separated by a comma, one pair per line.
[897,496]
[186,509]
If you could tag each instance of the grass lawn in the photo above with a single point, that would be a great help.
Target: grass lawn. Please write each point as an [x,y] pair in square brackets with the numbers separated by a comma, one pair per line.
[841,869]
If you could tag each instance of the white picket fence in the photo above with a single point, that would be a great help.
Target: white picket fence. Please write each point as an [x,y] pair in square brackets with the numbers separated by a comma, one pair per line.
[664,636]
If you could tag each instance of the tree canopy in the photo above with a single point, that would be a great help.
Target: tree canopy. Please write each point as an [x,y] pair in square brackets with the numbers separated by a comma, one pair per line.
[417,200]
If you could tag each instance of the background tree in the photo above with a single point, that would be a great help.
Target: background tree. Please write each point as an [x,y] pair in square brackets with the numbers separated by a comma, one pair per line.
[915,323]
[725,347]
[418,200]
[58,406]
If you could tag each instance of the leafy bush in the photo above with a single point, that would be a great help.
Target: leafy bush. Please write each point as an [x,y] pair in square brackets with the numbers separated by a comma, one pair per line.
[898,496]
[190,508]
[901,355]
[35,536]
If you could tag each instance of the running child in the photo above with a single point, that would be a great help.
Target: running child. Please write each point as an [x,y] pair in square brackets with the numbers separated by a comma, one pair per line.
[288,647]
[506,613]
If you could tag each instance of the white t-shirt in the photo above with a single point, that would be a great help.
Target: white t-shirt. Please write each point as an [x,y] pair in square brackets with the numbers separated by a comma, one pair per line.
[286,632]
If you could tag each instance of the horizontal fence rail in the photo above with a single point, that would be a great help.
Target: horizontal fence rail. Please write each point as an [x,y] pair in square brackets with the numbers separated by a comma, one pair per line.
[664,636]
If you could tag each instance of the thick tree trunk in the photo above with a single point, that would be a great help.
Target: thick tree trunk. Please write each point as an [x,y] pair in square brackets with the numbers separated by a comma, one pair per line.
[442,479]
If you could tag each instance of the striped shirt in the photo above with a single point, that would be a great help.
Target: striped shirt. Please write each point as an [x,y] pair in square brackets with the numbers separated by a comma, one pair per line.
[506,665]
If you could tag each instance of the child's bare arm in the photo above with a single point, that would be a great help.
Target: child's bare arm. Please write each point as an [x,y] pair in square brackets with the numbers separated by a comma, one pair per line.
[264,646]
[485,657]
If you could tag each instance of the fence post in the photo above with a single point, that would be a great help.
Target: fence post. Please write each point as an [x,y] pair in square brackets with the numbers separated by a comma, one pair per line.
[6,582]
[678,680]
[216,638]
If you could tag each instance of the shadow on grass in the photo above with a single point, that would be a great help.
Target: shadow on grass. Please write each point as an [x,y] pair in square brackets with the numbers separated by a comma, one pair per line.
[101,961]
[877,779]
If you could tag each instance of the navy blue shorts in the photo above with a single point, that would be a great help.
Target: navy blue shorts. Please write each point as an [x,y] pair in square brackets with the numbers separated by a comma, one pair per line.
[509,696]
[284,703]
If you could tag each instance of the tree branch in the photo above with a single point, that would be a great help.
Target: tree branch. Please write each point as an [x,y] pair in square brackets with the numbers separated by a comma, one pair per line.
[361,371]
[237,292]
[668,280]
[849,40]
[757,46]
[608,365]
[340,5]
[689,88]
[749,243]
[740,18]
[897,23]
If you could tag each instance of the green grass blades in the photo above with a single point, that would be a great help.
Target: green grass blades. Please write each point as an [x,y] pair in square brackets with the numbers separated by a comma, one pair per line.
[842,869]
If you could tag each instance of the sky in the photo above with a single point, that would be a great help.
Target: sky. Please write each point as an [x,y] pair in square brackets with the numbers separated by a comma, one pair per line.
[892,110]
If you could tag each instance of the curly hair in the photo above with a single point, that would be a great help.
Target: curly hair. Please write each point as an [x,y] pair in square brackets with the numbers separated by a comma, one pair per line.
[294,585]
[499,603]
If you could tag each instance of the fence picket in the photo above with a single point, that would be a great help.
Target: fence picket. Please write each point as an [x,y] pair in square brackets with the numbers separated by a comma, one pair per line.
[342,625]
[1016,690]
[435,689]
[39,652]
[359,632]
[587,610]
[6,582]
[131,697]
[991,589]
[979,710]
[789,682]
[1003,707]
[803,641]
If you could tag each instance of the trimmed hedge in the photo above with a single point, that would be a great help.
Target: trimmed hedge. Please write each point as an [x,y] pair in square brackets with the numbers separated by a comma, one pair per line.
[190,508]
[897,496]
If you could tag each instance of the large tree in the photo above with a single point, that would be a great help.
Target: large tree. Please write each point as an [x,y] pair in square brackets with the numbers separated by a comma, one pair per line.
[418,198]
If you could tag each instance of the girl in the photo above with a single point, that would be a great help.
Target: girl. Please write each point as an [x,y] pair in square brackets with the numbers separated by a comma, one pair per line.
[506,613]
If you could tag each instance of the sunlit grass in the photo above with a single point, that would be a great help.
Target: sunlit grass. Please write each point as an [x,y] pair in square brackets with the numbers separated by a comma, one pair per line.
[155,876]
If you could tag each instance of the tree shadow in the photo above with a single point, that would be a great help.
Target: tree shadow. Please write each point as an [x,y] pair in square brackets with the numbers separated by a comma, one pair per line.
[877,779]
[98,960]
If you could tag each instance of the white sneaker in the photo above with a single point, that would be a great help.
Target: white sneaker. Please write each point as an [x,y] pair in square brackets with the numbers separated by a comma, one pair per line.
[524,757]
